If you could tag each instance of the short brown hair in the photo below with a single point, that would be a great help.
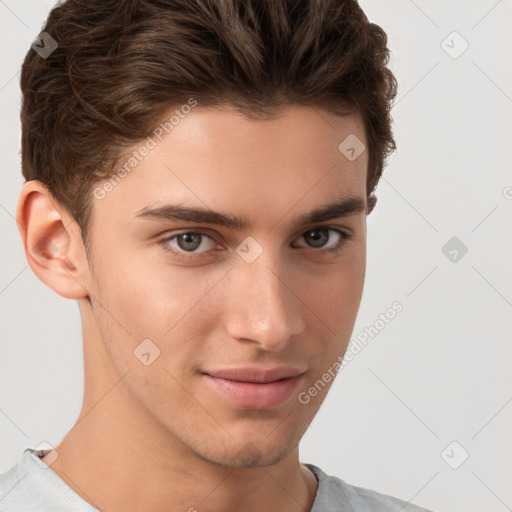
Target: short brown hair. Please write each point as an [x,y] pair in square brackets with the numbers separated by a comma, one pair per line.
[121,64]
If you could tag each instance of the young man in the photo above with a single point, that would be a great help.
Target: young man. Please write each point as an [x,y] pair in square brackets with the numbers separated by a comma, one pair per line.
[198,175]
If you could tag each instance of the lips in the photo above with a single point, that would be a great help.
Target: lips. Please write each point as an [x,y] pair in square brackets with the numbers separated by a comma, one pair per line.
[255,387]
[255,374]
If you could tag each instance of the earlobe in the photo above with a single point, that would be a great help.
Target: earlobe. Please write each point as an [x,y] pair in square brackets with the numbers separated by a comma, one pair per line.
[52,242]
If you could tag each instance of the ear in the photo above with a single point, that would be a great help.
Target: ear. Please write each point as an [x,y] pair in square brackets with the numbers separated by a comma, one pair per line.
[52,241]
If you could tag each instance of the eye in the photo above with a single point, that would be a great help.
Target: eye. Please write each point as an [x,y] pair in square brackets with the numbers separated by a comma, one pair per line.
[317,238]
[187,241]
[185,245]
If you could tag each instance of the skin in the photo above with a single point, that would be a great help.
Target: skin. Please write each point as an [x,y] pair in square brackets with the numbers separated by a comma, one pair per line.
[157,437]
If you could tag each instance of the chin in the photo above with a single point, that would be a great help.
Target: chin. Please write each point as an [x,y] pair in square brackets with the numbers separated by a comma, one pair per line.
[247,454]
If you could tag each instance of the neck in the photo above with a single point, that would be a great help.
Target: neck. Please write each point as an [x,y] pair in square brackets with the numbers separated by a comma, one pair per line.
[115,466]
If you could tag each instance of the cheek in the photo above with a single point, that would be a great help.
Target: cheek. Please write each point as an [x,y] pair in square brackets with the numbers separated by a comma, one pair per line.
[170,306]
[335,294]
[334,302]
[342,296]
[146,296]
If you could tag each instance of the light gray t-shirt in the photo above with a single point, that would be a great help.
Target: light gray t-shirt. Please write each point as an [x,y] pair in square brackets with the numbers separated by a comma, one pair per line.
[31,486]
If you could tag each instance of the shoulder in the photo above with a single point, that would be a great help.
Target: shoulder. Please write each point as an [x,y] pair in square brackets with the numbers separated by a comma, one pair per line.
[335,494]
[8,482]
[31,486]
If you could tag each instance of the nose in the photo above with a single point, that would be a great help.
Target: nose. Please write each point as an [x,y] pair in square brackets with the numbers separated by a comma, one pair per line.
[265,305]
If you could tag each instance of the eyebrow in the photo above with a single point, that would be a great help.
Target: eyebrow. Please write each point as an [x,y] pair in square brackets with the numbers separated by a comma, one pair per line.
[341,208]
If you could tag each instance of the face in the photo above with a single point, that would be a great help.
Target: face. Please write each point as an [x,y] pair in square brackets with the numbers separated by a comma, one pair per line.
[240,319]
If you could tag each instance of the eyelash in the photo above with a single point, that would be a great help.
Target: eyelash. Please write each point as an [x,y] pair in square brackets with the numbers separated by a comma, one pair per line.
[190,256]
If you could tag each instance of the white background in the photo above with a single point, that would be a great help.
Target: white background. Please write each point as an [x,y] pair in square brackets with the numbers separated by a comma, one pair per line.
[437,373]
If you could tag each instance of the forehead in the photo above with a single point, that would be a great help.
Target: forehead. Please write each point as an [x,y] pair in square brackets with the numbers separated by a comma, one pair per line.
[295,134]
[216,158]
